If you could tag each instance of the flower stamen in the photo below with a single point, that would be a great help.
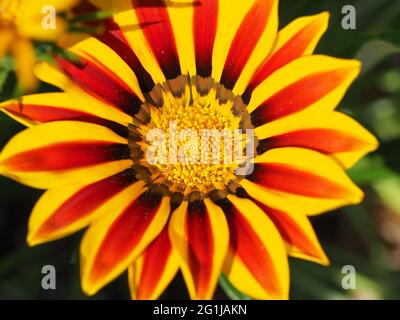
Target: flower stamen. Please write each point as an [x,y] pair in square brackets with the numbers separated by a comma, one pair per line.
[199,119]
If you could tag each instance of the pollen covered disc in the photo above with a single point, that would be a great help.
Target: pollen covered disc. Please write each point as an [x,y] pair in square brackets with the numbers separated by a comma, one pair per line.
[191,133]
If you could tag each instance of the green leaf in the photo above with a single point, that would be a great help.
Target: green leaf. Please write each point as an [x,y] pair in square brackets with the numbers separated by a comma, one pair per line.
[389,191]
[3,78]
[68,55]
[370,170]
[93,16]
[6,65]
[390,81]
[374,52]
[230,290]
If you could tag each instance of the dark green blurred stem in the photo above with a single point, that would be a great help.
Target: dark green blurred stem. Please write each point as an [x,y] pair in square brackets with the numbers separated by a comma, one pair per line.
[92,17]
[231,291]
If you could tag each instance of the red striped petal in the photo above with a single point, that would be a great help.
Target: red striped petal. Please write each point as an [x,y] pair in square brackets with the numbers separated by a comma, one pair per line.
[113,37]
[67,155]
[291,50]
[156,26]
[85,201]
[201,246]
[245,41]
[289,179]
[38,113]
[125,233]
[155,260]
[290,231]
[98,81]
[327,141]
[200,237]
[249,247]
[298,96]
[205,29]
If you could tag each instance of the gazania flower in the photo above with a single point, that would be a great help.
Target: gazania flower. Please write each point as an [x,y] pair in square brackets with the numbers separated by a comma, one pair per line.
[214,65]
[22,21]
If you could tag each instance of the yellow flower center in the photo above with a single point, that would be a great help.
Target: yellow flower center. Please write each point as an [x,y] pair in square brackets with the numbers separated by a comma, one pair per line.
[204,113]
[200,122]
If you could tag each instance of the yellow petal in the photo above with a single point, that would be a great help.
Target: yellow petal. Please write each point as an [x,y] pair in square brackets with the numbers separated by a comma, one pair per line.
[32,28]
[332,133]
[337,74]
[125,16]
[113,242]
[256,263]
[199,235]
[59,5]
[230,17]
[153,271]
[317,23]
[52,75]
[181,14]
[312,184]
[295,40]
[6,36]
[40,108]
[24,55]
[63,211]
[297,233]
[103,56]
[262,49]
[59,153]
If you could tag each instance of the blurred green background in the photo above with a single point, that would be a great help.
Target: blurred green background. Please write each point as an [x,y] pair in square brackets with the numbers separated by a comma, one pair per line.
[365,236]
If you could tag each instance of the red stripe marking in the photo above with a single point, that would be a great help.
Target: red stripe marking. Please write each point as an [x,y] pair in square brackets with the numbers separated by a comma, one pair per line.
[85,201]
[298,96]
[294,48]
[155,260]
[98,81]
[125,233]
[245,41]
[201,246]
[113,37]
[289,179]
[38,113]
[205,22]
[156,26]
[249,247]
[327,141]
[290,231]
[66,156]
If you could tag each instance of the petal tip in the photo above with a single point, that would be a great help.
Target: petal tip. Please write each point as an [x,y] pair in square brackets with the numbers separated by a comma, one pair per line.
[34,238]
[324,17]
[356,64]
[323,259]
[357,197]
[326,262]
[375,143]
[88,288]
[32,241]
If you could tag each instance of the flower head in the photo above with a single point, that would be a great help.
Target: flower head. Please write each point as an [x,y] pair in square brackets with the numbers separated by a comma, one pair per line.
[166,67]
[22,21]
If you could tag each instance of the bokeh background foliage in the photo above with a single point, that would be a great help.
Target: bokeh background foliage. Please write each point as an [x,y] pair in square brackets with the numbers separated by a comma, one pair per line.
[366,236]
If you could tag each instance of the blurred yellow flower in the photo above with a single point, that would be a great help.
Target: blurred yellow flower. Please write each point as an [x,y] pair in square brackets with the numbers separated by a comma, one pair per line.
[22,21]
